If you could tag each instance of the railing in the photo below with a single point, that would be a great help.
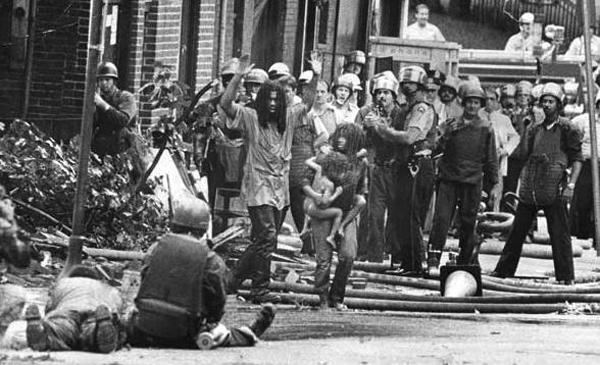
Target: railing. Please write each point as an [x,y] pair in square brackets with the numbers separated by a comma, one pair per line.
[559,12]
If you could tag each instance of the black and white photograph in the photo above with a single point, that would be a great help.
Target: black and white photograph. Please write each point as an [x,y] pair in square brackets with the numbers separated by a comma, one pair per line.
[281,182]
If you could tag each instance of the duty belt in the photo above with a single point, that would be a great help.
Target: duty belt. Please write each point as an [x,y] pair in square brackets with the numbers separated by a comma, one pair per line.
[387,164]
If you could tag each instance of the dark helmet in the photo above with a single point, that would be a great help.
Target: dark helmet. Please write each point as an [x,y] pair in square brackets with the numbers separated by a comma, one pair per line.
[474,91]
[192,213]
[107,69]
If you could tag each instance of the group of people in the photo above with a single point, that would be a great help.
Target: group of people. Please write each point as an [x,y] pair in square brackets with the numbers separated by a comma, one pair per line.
[360,164]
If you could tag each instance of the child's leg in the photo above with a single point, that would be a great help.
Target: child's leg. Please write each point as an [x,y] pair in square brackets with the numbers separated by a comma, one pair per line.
[336,226]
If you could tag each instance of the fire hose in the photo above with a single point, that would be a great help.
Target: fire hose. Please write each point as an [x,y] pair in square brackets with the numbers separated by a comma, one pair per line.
[494,299]
[489,283]
[412,306]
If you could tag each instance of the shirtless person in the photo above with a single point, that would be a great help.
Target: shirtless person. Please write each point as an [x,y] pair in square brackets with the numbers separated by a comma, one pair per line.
[327,183]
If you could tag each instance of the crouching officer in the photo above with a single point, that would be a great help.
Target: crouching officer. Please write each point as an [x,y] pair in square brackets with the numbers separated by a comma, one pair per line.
[182,292]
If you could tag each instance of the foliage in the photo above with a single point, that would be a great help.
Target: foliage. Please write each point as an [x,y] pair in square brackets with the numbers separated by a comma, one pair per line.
[38,171]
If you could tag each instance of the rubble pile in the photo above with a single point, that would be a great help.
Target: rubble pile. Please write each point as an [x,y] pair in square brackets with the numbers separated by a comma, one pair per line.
[40,177]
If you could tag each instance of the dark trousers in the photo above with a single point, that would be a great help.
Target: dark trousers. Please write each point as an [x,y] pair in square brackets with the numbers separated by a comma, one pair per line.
[412,202]
[235,337]
[382,194]
[296,207]
[511,180]
[582,207]
[449,195]
[255,262]
[560,239]
[334,292]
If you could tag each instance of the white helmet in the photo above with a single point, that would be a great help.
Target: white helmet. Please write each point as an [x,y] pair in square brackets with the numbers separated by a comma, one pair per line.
[387,82]
[277,70]
[414,74]
[552,89]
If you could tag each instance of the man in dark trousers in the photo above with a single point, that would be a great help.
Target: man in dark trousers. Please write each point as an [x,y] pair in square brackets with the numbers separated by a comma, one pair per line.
[413,175]
[552,146]
[182,294]
[382,190]
[348,139]
[469,164]
[116,113]
[268,132]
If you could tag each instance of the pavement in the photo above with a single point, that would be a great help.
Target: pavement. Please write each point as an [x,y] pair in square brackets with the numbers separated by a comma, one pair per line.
[303,335]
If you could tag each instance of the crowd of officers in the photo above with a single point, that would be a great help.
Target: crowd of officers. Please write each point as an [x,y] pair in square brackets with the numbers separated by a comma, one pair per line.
[436,148]
[420,151]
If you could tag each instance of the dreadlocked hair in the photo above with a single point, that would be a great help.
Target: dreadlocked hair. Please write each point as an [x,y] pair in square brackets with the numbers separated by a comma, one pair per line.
[262,106]
[335,166]
[354,135]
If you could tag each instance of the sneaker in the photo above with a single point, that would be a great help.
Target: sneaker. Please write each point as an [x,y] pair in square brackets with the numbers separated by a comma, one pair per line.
[36,337]
[263,320]
[266,297]
[106,335]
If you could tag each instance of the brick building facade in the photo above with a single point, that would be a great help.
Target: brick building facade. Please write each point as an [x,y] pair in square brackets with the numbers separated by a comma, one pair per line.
[184,34]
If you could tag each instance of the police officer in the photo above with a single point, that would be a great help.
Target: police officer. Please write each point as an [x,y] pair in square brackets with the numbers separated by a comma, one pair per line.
[278,70]
[355,62]
[116,113]
[449,106]
[342,90]
[384,111]
[253,82]
[413,175]
[551,148]
[469,163]
[175,310]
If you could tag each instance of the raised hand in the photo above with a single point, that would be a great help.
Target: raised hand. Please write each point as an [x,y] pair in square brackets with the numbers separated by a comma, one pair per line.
[316,62]
[245,65]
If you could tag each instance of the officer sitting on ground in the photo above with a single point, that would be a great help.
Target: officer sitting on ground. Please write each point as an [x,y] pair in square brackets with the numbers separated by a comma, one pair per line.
[182,293]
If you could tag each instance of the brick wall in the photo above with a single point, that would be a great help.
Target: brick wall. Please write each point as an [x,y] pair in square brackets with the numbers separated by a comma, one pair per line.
[207,43]
[58,76]
[290,23]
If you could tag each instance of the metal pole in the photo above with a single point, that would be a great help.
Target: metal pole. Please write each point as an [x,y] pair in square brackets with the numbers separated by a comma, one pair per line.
[592,112]
[94,54]
[404,18]
[304,26]
[29,60]
[222,34]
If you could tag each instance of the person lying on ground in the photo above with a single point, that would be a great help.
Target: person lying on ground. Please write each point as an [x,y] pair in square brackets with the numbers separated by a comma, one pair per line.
[80,316]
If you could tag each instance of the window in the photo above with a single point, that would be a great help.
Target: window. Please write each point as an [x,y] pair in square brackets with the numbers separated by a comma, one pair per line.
[323,22]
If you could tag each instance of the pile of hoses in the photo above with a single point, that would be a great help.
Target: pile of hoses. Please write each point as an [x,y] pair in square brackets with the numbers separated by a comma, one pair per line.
[500,295]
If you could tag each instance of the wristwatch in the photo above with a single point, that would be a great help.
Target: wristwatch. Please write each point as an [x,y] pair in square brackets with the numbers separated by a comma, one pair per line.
[571,185]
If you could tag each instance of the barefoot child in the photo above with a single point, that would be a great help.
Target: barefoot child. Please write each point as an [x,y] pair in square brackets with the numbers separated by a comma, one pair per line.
[327,183]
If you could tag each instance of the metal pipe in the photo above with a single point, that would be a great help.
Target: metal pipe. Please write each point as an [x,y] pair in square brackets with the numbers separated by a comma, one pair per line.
[592,113]
[304,26]
[29,61]
[222,33]
[93,57]
[335,39]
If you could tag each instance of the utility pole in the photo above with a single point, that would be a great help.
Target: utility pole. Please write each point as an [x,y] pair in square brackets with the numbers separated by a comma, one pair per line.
[93,57]
[592,113]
